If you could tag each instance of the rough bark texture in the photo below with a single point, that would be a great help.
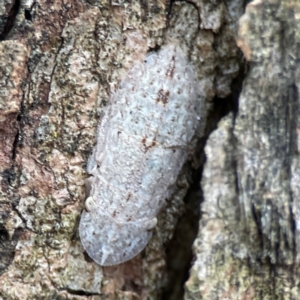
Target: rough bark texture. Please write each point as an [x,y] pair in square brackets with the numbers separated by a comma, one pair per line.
[59,62]
[248,242]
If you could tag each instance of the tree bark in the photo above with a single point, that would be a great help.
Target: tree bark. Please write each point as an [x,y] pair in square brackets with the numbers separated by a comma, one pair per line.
[60,61]
[248,242]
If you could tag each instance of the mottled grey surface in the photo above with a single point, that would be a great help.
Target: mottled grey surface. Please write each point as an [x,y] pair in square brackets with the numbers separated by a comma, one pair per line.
[248,241]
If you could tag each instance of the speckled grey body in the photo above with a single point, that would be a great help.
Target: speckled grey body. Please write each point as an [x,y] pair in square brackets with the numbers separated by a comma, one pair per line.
[141,147]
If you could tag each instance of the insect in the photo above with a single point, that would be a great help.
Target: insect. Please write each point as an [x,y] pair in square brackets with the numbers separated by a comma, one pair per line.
[141,146]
